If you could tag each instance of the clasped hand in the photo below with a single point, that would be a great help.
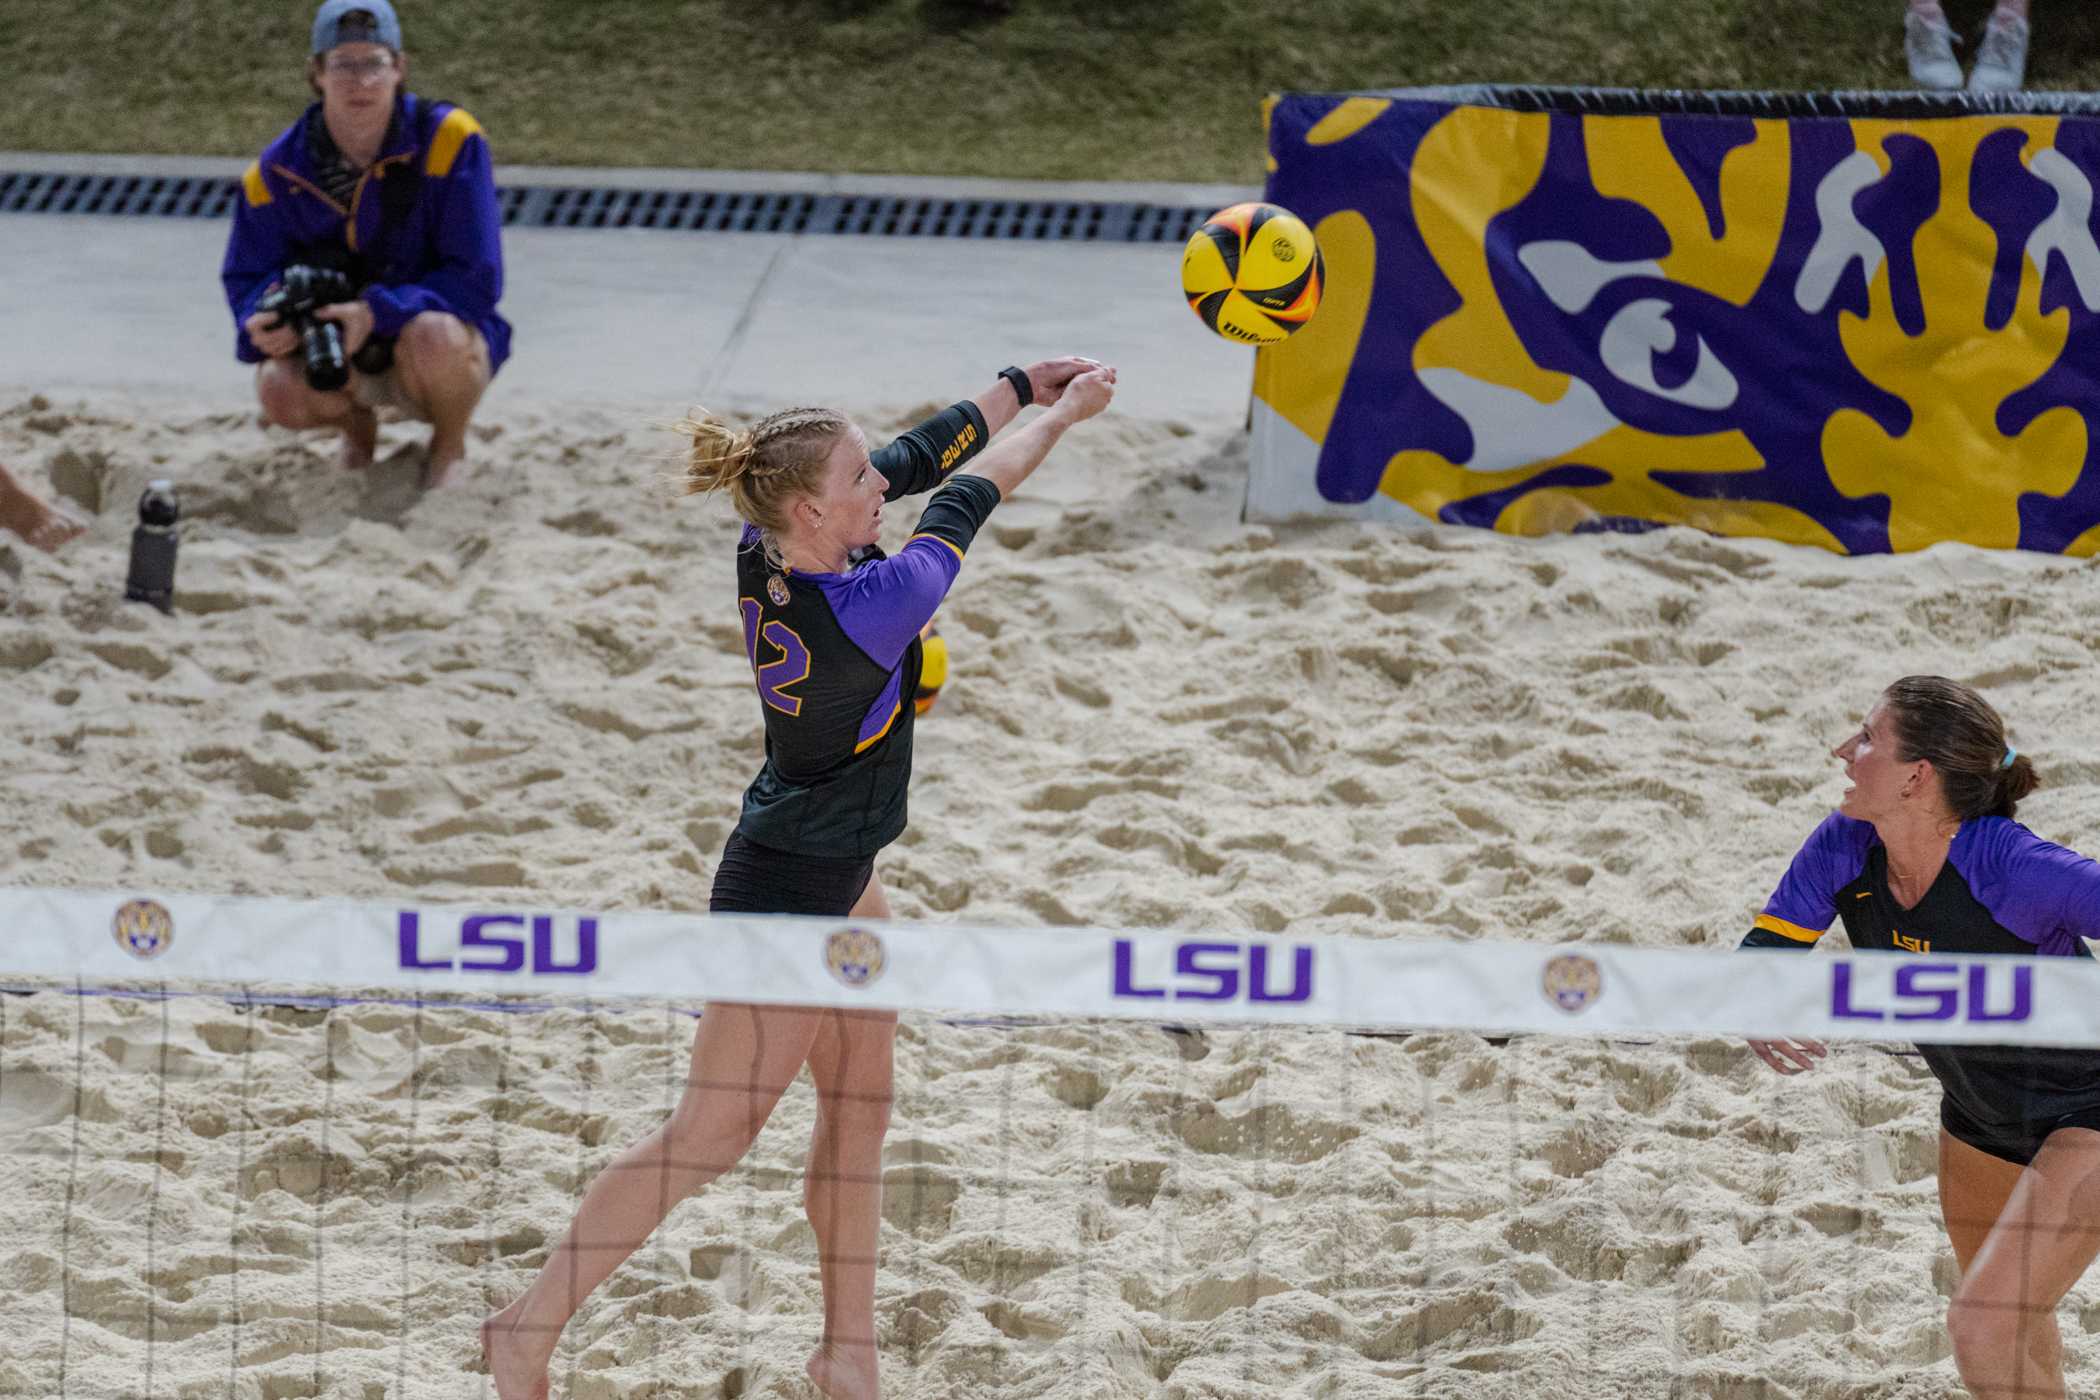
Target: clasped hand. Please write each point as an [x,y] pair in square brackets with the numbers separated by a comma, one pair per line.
[1048,378]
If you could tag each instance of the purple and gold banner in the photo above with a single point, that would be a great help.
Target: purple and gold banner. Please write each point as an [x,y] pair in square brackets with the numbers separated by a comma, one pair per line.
[1863,332]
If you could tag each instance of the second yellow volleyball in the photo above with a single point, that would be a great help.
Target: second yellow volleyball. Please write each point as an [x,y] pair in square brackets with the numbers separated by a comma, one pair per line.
[1253,273]
[933,668]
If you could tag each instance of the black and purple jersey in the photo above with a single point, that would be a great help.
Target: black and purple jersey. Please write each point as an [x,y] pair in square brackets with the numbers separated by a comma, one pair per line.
[837,656]
[2003,890]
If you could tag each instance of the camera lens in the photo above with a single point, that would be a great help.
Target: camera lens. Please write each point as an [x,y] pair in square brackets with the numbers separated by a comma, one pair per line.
[326,366]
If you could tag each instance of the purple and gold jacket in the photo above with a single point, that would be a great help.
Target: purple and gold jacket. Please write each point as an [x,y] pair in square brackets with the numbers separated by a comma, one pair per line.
[442,254]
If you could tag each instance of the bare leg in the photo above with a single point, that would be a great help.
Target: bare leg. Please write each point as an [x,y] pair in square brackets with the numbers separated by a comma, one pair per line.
[1974,1187]
[290,402]
[2014,7]
[33,518]
[744,1058]
[444,367]
[851,1062]
[2003,1317]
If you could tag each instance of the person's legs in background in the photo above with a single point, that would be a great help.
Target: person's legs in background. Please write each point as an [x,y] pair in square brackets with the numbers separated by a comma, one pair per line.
[1928,45]
[2001,59]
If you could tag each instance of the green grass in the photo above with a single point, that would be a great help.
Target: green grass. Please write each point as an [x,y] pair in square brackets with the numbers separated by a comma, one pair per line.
[1108,89]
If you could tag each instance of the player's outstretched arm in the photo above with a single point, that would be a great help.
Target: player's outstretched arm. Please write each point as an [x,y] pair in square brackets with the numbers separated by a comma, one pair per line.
[1047,379]
[1007,463]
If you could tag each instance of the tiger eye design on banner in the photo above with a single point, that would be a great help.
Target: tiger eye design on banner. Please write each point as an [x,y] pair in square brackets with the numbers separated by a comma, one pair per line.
[1870,331]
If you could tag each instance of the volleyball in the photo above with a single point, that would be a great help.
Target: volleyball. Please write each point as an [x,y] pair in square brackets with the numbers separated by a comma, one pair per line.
[933,670]
[1253,273]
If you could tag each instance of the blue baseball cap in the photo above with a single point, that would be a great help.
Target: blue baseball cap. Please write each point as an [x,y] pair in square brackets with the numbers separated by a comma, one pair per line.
[356,22]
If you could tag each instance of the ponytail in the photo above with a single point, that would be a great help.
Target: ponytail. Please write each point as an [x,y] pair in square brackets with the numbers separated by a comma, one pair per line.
[2015,780]
[763,467]
[717,455]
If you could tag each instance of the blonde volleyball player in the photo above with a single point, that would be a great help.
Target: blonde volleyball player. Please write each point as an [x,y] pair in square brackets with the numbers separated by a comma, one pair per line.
[832,628]
[1923,856]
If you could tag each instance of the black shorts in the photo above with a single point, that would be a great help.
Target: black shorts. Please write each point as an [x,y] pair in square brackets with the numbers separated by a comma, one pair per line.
[2015,1142]
[755,879]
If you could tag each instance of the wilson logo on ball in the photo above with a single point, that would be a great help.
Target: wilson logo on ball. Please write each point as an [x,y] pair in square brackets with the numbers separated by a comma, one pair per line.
[1253,273]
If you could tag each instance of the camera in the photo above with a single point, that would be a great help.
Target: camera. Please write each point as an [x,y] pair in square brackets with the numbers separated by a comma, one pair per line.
[301,292]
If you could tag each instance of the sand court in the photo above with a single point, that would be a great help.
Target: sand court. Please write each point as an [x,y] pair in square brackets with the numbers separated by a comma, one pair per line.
[532,689]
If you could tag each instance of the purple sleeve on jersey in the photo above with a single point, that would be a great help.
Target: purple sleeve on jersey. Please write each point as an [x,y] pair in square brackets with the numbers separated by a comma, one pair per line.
[2040,892]
[1829,860]
[881,606]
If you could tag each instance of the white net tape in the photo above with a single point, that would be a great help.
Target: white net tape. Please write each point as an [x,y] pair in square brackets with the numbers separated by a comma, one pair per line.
[220,1182]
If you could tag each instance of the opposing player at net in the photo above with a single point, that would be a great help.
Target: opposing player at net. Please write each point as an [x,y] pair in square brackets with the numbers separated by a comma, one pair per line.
[832,628]
[1923,856]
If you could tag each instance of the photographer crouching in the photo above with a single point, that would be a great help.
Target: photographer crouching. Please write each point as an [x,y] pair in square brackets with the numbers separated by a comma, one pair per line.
[364,264]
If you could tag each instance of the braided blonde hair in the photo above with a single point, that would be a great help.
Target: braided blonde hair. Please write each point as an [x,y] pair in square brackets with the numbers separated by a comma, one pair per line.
[763,467]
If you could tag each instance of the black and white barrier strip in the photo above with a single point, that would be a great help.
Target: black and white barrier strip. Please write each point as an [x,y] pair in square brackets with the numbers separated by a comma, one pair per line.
[128,938]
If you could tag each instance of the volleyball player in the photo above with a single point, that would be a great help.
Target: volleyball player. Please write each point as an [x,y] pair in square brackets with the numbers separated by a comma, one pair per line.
[832,626]
[1923,856]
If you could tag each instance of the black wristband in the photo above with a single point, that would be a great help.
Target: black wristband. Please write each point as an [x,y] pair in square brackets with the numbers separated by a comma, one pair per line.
[1018,377]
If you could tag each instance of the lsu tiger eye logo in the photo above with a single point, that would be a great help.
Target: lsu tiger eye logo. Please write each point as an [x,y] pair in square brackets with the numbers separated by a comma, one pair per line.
[777,590]
[1572,981]
[143,929]
[855,956]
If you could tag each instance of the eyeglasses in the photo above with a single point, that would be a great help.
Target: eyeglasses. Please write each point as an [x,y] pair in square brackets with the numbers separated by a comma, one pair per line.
[363,70]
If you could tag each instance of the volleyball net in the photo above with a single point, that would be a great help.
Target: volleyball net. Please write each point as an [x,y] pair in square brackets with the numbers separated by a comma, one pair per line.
[273,1148]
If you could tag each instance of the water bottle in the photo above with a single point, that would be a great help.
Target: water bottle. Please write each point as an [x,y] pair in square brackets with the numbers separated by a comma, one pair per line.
[152,575]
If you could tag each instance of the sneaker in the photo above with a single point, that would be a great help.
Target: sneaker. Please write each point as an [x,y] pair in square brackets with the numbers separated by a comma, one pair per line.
[1929,45]
[2001,59]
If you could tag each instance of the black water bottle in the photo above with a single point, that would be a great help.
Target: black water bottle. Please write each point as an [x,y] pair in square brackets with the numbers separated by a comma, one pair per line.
[152,576]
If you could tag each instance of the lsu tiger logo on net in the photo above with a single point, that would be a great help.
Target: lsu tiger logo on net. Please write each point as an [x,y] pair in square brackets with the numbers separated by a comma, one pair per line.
[143,928]
[1571,981]
[855,956]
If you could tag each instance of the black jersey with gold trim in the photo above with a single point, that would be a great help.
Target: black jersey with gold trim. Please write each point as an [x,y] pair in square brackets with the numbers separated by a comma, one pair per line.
[837,655]
[2002,890]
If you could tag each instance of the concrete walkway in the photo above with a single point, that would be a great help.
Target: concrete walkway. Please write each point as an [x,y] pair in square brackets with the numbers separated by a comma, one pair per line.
[660,320]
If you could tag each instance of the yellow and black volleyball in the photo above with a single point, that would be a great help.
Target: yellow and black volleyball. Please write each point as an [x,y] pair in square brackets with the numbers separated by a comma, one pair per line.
[1253,273]
[933,669]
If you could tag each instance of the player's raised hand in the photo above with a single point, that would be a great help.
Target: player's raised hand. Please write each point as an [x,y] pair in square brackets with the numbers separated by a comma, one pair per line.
[1048,378]
[1086,394]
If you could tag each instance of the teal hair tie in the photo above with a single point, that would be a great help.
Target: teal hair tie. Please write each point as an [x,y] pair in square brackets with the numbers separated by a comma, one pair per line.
[2011,753]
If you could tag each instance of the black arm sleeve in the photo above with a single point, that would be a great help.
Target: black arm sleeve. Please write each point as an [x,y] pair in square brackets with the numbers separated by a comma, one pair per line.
[1765,938]
[958,511]
[924,457]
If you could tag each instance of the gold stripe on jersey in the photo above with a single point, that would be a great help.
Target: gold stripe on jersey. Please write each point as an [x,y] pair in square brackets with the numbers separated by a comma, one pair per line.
[1798,934]
[950,543]
[873,739]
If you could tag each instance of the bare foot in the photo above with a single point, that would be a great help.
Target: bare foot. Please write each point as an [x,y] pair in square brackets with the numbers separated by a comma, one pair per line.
[846,1371]
[360,439]
[40,523]
[443,464]
[515,1362]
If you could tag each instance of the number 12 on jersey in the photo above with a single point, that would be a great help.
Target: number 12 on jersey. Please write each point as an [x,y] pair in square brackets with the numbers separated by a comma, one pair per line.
[789,665]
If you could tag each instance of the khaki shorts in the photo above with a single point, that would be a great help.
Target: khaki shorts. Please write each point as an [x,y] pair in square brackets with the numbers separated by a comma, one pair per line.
[385,393]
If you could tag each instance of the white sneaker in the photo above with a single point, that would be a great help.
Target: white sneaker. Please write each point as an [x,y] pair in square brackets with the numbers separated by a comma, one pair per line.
[1929,45]
[2001,59]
